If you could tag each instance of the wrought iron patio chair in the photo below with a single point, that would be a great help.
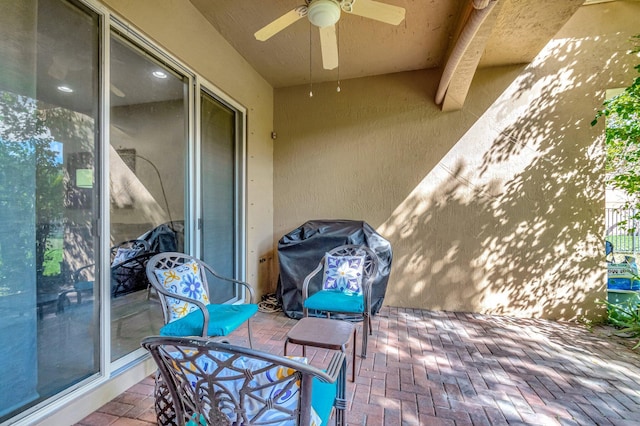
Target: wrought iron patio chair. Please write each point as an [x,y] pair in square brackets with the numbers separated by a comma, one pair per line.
[183,289]
[204,382]
[348,273]
[128,262]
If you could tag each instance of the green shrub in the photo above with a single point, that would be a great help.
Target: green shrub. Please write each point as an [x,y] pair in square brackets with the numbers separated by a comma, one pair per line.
[626,317]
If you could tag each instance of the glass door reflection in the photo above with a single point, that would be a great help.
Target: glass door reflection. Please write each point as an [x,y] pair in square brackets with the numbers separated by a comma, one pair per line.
[148,151]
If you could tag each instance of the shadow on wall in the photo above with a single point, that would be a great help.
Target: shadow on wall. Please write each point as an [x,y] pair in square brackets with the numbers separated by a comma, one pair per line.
[511,219]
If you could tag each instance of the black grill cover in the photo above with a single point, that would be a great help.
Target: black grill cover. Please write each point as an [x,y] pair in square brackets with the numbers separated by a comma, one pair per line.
[300,250]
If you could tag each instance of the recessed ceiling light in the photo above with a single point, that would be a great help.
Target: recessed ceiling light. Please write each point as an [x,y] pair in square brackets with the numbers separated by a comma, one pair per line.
[65,89]
[159,74]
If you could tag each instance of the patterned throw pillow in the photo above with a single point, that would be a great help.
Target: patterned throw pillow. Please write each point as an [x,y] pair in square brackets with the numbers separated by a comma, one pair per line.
[123,254]
[343,274]
[185,281]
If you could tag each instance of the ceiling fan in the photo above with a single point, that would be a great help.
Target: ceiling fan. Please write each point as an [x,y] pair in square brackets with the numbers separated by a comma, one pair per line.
[324,14]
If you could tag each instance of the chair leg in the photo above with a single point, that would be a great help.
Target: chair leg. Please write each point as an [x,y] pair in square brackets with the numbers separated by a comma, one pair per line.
[249,333]
[341,402]
[164,407]
[353,355]
[365,335]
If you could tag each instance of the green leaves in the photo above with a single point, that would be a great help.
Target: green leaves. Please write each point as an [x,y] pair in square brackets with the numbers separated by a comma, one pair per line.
[622,136]
[625,317]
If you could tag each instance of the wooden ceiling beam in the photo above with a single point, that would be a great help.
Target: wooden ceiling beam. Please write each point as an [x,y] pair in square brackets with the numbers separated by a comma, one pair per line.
[462,63]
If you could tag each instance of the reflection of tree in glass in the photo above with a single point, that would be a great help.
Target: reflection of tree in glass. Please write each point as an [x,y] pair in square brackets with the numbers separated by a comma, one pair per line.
[26,143]
[622,137]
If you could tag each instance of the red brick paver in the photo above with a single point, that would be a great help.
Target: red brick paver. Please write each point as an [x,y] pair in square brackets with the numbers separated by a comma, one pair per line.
[449,368]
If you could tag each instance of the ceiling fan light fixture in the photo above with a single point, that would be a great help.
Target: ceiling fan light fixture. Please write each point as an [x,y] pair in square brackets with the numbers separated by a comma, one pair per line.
[323,13]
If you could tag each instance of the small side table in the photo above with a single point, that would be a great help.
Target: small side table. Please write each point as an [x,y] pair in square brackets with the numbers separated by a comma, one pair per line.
[323,333]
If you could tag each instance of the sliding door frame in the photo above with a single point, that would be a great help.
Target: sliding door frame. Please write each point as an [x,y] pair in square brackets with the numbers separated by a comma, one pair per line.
[240,173]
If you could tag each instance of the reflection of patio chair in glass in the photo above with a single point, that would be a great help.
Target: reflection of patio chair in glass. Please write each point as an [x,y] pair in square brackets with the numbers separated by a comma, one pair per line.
[128,261]
[205,382]
[349,272]
[181,283]
[58,299]
[83,280]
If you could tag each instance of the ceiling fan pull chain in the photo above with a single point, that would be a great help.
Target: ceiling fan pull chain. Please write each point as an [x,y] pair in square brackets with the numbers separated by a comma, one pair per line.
[338,49]
[310,65]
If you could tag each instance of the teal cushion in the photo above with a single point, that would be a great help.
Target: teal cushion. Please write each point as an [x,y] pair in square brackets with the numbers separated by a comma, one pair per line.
[334,301]
[223,319]
[83,285]
[322,399]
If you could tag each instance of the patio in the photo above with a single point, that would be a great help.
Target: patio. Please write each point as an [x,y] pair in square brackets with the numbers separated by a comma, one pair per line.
[452,368]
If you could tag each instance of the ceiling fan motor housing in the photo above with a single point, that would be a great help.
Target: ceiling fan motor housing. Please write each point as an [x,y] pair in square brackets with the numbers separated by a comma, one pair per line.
[323,13]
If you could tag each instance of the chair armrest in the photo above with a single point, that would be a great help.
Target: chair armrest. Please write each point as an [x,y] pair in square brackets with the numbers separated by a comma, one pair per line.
[308,278]
[246,285]
[198,303]
[75,276]
[336,365]
[166,293]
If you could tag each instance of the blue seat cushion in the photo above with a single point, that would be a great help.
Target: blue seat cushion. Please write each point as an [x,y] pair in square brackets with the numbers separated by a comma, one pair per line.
[322,398]
[335,301]
[223,319]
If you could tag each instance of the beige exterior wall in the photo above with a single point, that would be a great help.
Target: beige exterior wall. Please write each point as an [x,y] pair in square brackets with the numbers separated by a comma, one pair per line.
[498,208]
[177,27]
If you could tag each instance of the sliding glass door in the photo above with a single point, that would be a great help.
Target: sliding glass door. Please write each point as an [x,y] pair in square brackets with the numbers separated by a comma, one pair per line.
[92,187]
[221,195]
[49,204]
[147,184]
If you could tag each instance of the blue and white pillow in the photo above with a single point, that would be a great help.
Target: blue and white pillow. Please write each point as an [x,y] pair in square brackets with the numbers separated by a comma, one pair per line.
[123,254]
[343,274]
[185,281]
[267,384]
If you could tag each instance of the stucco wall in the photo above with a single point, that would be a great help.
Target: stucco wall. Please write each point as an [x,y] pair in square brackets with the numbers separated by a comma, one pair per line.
[498,208]
[181,30]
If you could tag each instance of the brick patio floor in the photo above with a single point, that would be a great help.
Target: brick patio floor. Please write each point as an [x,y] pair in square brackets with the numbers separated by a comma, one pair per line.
[448,368]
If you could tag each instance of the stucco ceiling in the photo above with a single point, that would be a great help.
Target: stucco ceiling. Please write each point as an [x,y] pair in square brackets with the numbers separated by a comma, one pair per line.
[515,32]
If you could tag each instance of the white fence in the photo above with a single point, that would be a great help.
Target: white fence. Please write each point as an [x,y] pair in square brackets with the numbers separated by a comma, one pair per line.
[623,231]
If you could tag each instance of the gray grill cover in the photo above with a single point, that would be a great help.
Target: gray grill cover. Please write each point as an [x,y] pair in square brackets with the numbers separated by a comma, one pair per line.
[300,250]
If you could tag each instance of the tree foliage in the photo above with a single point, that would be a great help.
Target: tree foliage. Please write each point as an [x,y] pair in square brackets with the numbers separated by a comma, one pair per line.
[29,164]
[622,137]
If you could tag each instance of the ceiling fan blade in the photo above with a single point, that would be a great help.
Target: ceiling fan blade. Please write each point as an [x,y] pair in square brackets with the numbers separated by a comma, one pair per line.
[329,47]
[281,23]
[379,11]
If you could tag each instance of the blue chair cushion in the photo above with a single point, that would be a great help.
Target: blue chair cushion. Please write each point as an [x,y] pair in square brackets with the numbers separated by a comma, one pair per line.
[322,399]
[333,301]
[223,319]
[83,285]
